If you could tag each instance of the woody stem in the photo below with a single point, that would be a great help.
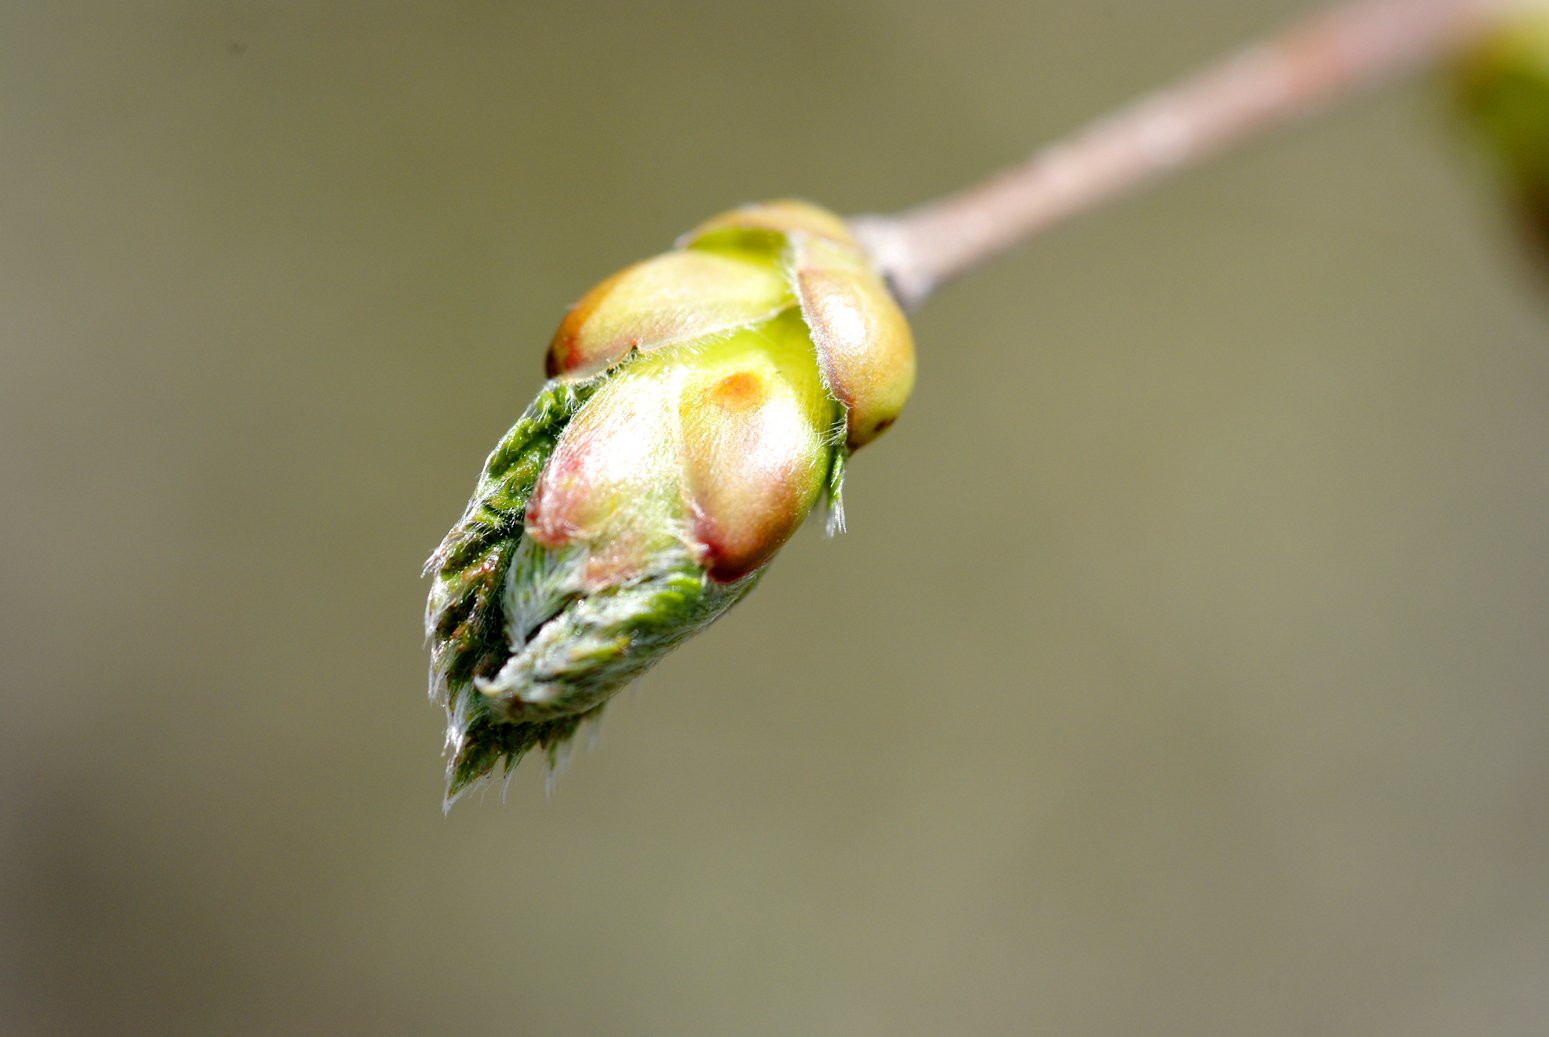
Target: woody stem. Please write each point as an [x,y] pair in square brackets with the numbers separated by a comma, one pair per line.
[1328,55]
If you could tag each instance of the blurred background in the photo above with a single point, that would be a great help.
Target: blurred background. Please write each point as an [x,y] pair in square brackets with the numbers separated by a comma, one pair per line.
[1183,670]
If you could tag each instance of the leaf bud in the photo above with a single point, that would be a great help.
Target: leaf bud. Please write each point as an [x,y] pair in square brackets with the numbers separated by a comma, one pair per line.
[1502,83]
[700,405]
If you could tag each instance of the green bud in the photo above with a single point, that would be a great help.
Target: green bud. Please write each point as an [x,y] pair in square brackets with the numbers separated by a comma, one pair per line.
[700,404]
[1502,82]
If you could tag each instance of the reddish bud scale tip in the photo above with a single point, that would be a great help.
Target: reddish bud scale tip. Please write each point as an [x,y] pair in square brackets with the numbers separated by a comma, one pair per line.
[567,350]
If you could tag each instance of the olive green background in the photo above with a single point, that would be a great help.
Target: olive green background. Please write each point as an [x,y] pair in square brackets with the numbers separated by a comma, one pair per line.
[1183,672]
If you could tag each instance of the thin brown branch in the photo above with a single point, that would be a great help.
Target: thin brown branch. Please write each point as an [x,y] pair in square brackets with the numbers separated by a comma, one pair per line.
[1329,55]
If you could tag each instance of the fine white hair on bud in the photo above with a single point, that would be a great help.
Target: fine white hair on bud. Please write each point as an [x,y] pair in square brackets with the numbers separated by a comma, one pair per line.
[700,404]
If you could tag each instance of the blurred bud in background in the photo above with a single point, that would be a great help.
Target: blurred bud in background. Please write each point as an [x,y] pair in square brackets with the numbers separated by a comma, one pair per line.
[699,405]
[1503,84]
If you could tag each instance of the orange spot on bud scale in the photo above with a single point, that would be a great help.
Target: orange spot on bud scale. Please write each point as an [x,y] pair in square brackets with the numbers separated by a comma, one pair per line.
[565,353]
[738,392]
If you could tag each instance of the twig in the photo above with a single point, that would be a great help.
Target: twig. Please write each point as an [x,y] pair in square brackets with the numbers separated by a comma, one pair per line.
[1328,55]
